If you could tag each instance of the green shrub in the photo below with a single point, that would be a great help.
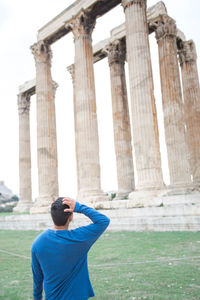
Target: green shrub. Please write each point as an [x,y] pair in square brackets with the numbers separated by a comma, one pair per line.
[7,208]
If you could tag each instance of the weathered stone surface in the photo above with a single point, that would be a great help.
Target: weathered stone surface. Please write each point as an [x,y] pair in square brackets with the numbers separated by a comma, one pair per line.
[119,32]
[121,122]
[153,204]
[191,92]
[180,36]
[46,129]
[71,70]
[172,103]
[25,182]
[28,87]
[56,28]
[171,218]
[87,143]
[155,10]
[144,118]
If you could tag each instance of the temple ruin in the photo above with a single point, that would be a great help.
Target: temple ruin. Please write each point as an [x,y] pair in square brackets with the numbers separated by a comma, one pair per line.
[130,42]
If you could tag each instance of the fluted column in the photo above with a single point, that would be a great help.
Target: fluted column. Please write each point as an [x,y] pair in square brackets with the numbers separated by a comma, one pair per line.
[87,141]
[71,70]
[46,129]
[144,116]
[191,93]
[121,121]
[25,182]
[172,103]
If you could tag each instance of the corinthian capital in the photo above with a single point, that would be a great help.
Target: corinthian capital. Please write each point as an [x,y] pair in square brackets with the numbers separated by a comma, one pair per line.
[187,53]
[128,3]
[55,86]
[42,52]
[116,52]
[82,25]
[165,27]
[23,103]
[71,70]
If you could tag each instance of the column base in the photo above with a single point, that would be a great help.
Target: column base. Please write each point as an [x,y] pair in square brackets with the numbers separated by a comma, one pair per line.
[164,197]
[180,189]
[196,186]
[23,206]
[152,187]
[146,197]
[122,194]
[42,205]
[90,197]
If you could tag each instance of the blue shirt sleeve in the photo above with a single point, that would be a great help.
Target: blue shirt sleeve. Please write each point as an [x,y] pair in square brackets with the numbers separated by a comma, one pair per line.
[37,277]
[91,232]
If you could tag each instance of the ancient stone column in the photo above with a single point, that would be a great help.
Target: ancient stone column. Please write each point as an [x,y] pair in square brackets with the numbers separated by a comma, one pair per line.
[87,141]
[25,182]
[172,103]
[121,121]
[191,93]
[144,116]
[71,70]
[46,129]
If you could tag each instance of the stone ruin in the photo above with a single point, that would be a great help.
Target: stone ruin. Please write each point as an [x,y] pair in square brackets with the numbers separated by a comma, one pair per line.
[129,41]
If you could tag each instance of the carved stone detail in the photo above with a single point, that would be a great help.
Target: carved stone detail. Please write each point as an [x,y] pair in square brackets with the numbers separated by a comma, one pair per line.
[172,104]
[71,70]
[191,93]
[187,52]
[42,52]
[55,85]
[143,109]
[121,120]
[23,103]
[25,182]
[86,126]
[165,26]
[82,25]
[116,52]
[46,129]
[128,3]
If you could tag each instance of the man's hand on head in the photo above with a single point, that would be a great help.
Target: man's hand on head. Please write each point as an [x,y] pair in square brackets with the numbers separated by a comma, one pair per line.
[70,202]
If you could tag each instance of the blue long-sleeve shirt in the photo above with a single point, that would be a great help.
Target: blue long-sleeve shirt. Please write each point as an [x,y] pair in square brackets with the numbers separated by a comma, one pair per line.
[59,259]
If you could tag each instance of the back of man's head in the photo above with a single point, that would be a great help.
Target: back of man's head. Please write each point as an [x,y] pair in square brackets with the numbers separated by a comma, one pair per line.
[58,215]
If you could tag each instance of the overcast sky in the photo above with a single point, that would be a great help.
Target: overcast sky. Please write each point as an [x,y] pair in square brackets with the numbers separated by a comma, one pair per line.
[19,23]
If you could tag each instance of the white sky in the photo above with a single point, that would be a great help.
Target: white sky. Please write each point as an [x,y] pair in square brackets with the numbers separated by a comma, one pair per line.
[19,23]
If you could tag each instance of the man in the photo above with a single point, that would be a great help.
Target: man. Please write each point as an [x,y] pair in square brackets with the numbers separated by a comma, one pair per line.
[59,255]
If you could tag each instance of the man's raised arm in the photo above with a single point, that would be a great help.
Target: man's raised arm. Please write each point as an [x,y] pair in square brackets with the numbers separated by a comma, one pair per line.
[93,231]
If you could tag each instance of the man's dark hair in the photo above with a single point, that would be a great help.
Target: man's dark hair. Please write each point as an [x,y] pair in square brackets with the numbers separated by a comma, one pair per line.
[57,212]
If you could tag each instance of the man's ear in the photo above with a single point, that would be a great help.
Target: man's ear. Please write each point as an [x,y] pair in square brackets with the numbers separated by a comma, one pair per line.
[70,217]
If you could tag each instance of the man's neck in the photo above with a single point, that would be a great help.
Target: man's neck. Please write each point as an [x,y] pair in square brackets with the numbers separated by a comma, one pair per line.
[65,227]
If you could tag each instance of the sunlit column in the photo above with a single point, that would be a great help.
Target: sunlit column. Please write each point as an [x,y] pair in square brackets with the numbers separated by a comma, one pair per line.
[121,121]
[71,71]
[191,92]
[25,182]
[87,141]
[46,129]
[144,116]
[172,103]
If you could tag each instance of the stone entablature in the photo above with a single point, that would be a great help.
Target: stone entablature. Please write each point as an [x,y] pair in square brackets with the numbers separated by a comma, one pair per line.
[56,28]
[28,87]
[117,33]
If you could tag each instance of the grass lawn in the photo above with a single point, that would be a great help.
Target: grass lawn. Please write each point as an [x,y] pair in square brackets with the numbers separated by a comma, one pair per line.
[123,266]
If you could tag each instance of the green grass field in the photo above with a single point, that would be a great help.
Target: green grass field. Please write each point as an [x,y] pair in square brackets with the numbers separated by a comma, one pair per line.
[123,266]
